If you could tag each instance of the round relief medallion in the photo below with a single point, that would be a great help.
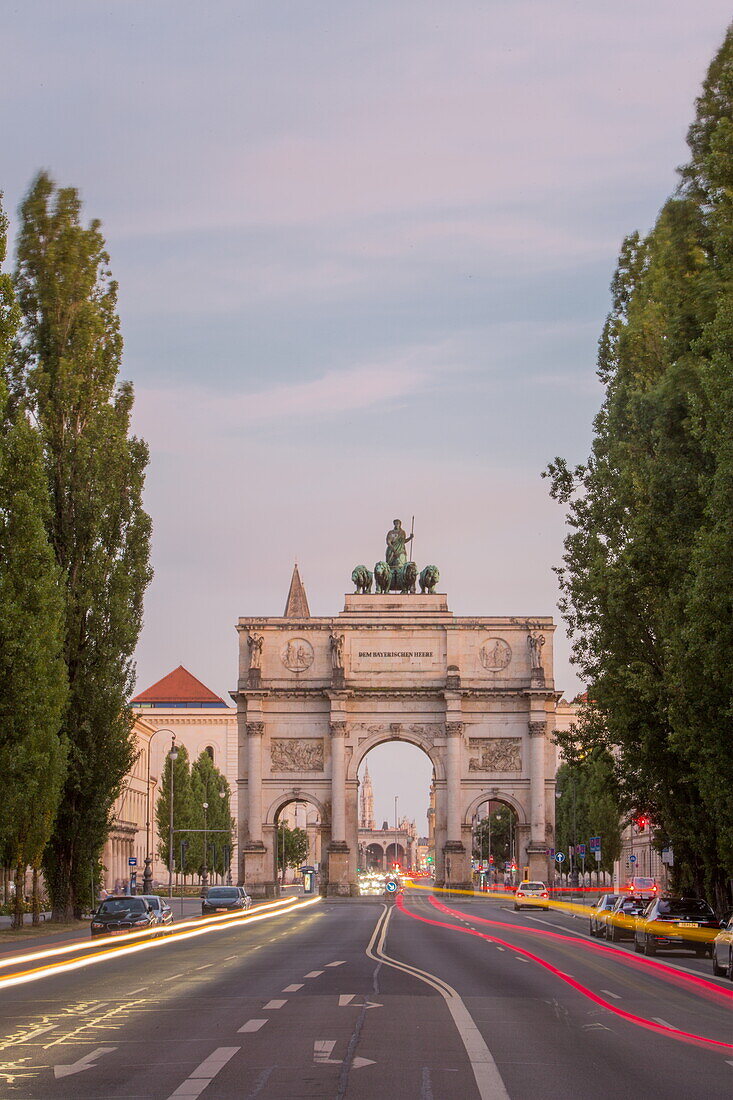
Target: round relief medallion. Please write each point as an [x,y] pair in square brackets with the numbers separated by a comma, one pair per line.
[297,655]
[495,654]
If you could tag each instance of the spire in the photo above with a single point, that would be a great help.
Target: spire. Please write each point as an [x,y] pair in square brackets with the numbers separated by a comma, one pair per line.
[297,605]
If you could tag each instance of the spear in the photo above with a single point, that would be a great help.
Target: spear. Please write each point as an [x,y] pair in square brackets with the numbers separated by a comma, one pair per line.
[412,532]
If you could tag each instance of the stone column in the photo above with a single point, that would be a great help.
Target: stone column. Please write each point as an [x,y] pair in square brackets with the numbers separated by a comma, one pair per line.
[338,850]
[255,731]
[454,733]
[536,849]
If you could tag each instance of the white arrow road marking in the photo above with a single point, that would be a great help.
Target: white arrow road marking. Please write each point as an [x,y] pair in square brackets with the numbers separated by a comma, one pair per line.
[253,1025]
[346,999]
[339,962]
[87,1062]
[322,1050]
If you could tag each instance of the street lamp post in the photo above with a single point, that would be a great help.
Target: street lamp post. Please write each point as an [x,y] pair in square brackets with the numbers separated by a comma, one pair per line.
[205,876]
[396,799]
[148,873]
[222,796]
[172,756]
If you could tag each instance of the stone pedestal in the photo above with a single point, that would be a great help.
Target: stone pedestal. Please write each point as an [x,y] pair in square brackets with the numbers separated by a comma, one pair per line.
[254,873]
[538,863]
[338,884]
[457,866]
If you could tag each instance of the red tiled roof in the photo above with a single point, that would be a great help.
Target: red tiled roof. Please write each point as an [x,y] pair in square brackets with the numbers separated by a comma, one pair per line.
[178,686]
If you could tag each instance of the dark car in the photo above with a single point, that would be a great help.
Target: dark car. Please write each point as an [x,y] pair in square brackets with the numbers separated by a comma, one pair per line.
[723,949]
[676,922]
[160,906]
[119,915]
[621,921]
[223,899]
[598,913]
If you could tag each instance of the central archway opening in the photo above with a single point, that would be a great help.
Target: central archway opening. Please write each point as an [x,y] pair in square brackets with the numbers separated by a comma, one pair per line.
[495,845]
[396,811]
[297,841]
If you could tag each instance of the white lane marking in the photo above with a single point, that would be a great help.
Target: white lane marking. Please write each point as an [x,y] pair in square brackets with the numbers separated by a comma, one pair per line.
[616,996]
[322,1051]
[205,966]
[230,957]
[275,1004]
[314,974]
[292,988]
[252,1025]
[90,1008]
[34,1033]
[345,999]
[87,1062]
[664,1023]
[521,959]
[729,1062]
[499,948]
[339,962]
[204,1074]
[486,1074]
[140,990]
[173,977]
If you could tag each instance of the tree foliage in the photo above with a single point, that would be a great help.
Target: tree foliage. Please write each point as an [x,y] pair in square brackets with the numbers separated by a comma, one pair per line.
[494,836]
[65,370]
[194,785]
[33,682]
[647,573]
[292,847]
[588,805]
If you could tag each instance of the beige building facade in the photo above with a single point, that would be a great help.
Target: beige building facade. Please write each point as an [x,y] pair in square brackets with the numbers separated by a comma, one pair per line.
[127,836]
[316,694]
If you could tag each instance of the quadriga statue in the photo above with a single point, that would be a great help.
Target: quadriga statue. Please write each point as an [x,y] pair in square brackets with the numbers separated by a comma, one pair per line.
[362,578]
[406,577]
[383,576]
[429,577]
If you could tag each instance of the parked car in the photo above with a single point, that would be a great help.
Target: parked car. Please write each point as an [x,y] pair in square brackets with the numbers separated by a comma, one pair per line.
[120,915]
[224,899]
[599,912]
[723,949]
[532,894]
[676,922]
[621,921]
[162,909]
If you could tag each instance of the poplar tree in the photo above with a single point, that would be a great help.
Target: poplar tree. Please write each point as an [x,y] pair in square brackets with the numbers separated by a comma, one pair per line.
[212,787]
[65,367]
[182,811]
[648,566]
[33,685]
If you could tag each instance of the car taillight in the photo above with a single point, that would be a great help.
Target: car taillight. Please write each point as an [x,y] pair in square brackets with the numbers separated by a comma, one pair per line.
[544,894]
[520,893]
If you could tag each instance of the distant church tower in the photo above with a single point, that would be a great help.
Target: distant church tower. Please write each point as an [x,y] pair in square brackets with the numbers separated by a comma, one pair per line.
[366,817]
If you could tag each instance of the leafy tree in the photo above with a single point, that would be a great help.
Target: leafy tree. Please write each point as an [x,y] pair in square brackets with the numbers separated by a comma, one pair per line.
[65,368]
[33,683]
[648,565]
[212,787]
[494,836]
[183,813]
[588,805]
[292,848]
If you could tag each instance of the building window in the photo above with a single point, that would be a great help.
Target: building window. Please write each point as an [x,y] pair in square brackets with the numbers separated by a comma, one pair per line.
[210,751]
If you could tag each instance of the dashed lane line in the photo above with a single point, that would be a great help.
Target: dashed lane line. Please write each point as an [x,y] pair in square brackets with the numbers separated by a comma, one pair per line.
[173,977]
[205,966]
[292,988]
[314,974]
[664,1023]
[339,962]
[275,1004]
[204,1074]
[252,1025]
[616,996]
[140,990]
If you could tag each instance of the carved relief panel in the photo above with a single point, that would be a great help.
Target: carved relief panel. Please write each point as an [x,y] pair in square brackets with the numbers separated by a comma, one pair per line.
[296,754]
[495,754]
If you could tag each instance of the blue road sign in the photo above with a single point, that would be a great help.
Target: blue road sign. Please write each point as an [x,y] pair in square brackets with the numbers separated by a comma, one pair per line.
[132,861]
[632,859]
[390,887]
[559,856]
[581,849]
[551,852]
[595,844]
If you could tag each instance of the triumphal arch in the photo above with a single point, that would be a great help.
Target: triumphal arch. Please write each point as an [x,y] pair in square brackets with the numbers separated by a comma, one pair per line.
[315,694]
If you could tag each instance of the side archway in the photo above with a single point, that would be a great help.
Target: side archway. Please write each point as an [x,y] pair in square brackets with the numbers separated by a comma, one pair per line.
[495,795]
[289,797]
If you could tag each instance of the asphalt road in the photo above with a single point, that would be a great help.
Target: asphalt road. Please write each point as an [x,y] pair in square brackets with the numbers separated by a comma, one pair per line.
[355,1000]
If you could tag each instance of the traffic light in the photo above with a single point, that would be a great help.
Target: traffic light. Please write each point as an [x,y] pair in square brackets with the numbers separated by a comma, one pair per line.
[641,821]
[491,859]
